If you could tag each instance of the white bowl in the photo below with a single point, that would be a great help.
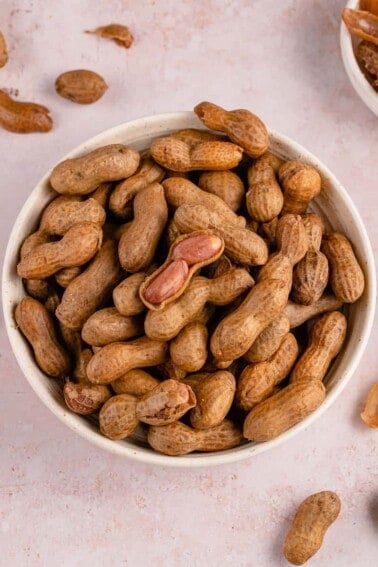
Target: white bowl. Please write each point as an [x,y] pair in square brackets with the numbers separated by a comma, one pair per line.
[360,84]
[334,203]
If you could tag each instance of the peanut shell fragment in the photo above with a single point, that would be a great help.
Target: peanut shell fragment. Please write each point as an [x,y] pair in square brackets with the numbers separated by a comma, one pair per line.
[119,33]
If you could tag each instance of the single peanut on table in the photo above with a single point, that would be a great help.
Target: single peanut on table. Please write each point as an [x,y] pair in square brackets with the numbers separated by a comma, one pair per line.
[81,86]
[311,521]
[23,117]
[3,51]
[370,412]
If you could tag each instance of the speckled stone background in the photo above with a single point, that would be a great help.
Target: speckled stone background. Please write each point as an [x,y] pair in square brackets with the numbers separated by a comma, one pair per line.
[66,503]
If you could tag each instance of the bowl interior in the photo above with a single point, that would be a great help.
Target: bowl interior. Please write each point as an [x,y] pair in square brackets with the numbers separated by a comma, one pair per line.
[360,84]
[335,207]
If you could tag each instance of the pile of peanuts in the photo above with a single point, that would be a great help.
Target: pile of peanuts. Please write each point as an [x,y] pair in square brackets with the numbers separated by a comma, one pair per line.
[167,296]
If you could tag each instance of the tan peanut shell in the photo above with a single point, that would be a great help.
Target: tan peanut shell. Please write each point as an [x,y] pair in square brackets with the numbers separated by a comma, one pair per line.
[117,417]
[77,246]
[326,339]
[126,295]
[81,86]
[135,382]
[188,350]
[188,254]
[85,399]
[215,393]
[115,359]
[180,191]
[23,117]
[44,291]
[166,403]
[177,155]
[79,373]
[120,202]
[283,410]
[301,183]
[268,230]
[102,194]
[82,175]
[87,293]
[299,314]
[268,340]
[119,33]
[264,198]
[346,278]
[291,237]
[278,267]
[236,332]
[225,184]
[370,413]
[192,136]
[37,325]
[165,324]
[108,325]
[138,244]
[3,51]
[311,521]
[32,241]
[180,439]
[241,244]
[66,275]
[65,211]
[79,354]
[241,126]
[257,381]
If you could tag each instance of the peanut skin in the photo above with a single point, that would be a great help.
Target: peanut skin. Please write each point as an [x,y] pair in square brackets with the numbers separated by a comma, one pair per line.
[347,279]
[283,410]
[120,34]
[311,521]
[87,293]
[78,246]
[23,117]
[66,211]
[108,325]
[138,244]
[180,439]
[326,339]
[241,126]
[115,359]
[82,175]
[36,324]
[226,185]
[236,333]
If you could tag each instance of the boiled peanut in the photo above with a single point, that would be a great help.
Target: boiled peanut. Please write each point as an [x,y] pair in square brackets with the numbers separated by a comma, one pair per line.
[188,350]
[180,191]
[119,33]
[115,359]
[23,117]
[117,417]
[326,339]
[347,278]
[215,393]
[166,323]
[311,521]
[166,403]
[180,439]
[85,399]
[300,183]
[81,86]
[241,244]
[37,325]
[138,244]
[370,412]
[180,156]
[283,410]
[108,325]
[87,293]
[78,246]
[3,51]
[102,194]
[44,291]
[226,185]
[257,381]
[278,267]
[268,230]
[66,211]
[80,355]
[66,275]
[192,136]
[236,332]
[135,382]
[291,237]
[299,314]
[264,198]
[126,295]
[268,340]
[120,202]
[241,126]
[82,175]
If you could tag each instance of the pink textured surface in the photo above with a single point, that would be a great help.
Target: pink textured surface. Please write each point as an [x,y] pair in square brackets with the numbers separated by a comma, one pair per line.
[66,503]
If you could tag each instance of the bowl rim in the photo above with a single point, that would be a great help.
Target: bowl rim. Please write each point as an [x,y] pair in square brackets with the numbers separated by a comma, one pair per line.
[75,422]
[359,82]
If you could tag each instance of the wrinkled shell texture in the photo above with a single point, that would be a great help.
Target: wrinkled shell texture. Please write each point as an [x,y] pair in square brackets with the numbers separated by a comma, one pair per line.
[166,286]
